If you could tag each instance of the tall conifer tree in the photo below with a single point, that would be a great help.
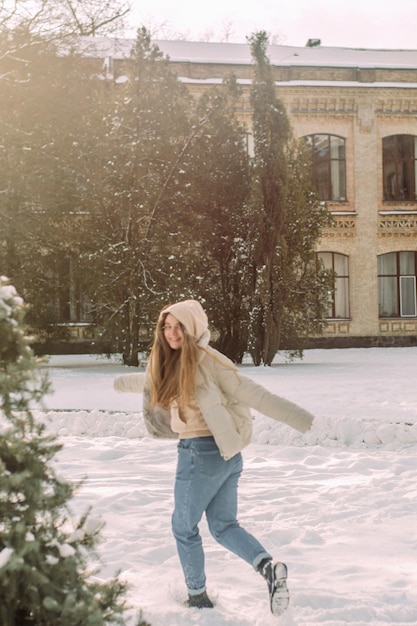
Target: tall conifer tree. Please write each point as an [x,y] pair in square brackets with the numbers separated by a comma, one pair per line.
[217,206]
[44,556]
[289,289]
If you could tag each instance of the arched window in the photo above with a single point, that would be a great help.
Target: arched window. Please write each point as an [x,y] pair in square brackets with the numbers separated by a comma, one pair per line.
[397,284]
[339,265]
[328,166]
[399,157]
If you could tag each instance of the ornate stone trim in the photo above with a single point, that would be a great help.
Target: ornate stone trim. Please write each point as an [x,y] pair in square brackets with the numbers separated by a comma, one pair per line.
[337,327]
[399,327]
[396,106]
[322,104]
[343,226]
[397,225]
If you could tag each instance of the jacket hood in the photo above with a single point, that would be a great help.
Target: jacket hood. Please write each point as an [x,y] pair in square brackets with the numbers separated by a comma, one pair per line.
[191,315]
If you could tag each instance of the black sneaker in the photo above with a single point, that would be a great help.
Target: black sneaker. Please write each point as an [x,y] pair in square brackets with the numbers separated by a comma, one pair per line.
[275,575]
[199,601]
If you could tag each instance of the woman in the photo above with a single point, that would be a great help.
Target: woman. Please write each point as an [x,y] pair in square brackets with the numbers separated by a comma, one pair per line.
[196,394]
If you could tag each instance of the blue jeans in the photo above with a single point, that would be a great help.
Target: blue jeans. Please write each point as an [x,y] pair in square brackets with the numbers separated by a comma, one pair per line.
[205,482]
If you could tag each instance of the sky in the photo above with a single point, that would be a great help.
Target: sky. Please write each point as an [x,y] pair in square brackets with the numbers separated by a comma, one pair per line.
[382,24]
[337,504]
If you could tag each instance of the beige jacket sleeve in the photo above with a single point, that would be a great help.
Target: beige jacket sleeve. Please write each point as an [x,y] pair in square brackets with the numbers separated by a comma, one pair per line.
[157,420]
[130,383]
[259,398]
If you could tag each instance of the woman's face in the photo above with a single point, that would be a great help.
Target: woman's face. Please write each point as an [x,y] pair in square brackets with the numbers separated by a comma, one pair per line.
[173,332]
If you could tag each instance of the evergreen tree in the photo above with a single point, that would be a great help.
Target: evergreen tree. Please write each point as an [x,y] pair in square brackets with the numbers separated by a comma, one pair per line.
[218,225]
[43,555]
[131,234]
[48,103]
[287,224]
[48,108]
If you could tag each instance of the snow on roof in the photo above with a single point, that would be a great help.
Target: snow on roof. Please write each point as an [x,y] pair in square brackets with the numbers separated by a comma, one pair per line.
[239,53]
[305,83]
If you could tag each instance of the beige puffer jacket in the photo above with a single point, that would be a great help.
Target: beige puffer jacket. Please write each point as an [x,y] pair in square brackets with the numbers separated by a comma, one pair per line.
[224,398]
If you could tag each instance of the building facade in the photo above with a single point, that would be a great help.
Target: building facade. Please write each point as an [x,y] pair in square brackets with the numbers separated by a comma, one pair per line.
[357,112]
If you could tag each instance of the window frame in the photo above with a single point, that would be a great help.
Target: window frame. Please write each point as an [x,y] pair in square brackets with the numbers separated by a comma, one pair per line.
[342,279]
[395,281]
[403,296]
[399,169]
[334,164]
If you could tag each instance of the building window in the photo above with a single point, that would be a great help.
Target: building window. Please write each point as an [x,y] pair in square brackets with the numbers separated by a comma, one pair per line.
[397,284]
[339,265]
[249,144]
[69,304]
[399,155]
[328,166]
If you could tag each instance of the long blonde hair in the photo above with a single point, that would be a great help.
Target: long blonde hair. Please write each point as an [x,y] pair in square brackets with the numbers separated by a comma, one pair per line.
[172,372]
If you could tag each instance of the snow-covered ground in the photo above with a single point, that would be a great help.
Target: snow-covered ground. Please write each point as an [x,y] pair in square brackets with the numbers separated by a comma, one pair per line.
[338,505]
